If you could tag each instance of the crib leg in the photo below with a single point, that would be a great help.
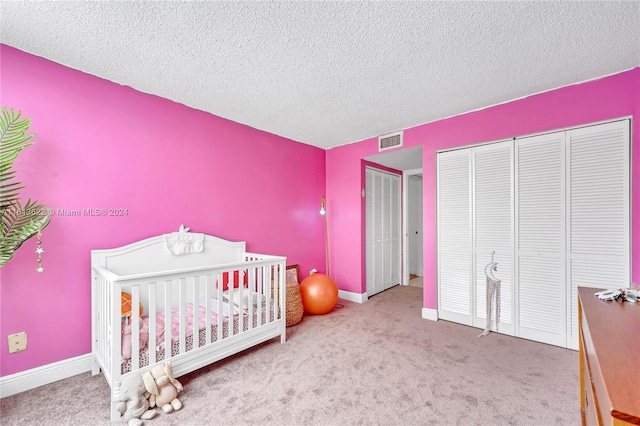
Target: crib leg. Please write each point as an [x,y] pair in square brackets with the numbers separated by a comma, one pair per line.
[283,336]
[115,396]
[95,367]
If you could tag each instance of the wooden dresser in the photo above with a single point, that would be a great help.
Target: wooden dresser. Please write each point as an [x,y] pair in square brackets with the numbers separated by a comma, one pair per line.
[609,360]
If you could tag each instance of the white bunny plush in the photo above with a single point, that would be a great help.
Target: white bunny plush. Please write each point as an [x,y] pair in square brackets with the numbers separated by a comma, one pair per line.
[162,386]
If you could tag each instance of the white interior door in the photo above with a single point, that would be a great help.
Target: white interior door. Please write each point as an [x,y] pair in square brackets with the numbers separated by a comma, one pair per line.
[493,230]
[454,204]
[598,212]
[383,242]
[540,238]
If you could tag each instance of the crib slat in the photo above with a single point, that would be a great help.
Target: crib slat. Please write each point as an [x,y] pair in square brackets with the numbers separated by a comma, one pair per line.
[115,309]
[183,315]
[153,308]
[259,290]
[209,286]
[239,297]
[106,309]
[196,311]
[271,300]
[102,315]
[228,301]
[275,274]
[220,306]
[250,294]
[256,288]
[230,316]
[167,320]
[278,293]
[274,292]
[135,327]
[94,324]
[281,295]
[265,289]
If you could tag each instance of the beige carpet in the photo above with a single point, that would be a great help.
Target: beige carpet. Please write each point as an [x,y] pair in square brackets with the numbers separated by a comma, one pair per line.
[377,363]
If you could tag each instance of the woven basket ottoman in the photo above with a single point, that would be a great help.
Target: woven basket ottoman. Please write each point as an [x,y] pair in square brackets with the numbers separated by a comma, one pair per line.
[295,310]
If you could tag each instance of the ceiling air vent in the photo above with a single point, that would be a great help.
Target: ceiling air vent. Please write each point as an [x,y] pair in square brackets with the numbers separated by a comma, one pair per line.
[392,140]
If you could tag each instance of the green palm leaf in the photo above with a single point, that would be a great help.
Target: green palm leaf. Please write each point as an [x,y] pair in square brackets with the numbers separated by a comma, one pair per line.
[19,223]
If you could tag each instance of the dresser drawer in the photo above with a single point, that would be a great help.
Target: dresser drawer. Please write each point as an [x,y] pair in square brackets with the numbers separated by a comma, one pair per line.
[590,411]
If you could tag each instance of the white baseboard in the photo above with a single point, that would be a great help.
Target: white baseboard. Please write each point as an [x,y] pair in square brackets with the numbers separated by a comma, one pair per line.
[430,314]
[40,376]
[352,297]
[427,313]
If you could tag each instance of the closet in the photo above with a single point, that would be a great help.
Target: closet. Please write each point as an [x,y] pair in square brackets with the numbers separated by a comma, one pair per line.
[554,212]
[383,230]
[475,222]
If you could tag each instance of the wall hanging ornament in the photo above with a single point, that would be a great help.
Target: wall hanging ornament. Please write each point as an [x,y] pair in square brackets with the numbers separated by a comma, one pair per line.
[40,250]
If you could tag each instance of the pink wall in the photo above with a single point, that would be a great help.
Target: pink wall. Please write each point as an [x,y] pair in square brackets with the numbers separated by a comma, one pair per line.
[102,145]
[602,99]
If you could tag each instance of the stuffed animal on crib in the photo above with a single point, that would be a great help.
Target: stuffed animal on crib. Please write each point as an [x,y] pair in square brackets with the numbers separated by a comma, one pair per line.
[133,403]
[127,342]
[163,388]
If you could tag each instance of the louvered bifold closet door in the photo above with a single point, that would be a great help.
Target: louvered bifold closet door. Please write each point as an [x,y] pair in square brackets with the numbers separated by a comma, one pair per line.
[540,239]
[598,211]
[493,230]
[374,231]
[454,236]
[390,230]
[383,229]
[369,237]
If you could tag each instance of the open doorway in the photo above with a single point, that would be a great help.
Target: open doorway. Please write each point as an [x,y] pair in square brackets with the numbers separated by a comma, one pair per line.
[409,162]
[413,222]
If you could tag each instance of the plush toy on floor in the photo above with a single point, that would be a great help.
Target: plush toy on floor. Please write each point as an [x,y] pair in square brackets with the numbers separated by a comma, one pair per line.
[134,405]
[163,388]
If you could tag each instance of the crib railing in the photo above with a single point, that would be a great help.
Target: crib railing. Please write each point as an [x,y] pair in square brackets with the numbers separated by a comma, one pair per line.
[259,277]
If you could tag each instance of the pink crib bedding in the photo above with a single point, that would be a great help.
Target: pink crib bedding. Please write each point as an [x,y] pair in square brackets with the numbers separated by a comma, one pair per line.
[175,325]
[175,321]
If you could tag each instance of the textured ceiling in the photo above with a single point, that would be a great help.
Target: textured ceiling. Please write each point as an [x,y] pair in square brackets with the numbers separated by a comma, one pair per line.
[331,73]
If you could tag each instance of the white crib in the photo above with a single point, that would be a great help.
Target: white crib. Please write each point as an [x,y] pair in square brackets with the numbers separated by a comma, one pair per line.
[190,287]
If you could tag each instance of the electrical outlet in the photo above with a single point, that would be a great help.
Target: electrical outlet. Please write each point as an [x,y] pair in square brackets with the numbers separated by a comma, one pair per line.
[17,342]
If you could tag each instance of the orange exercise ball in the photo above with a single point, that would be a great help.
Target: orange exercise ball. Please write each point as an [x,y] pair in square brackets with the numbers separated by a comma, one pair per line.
[319,294]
